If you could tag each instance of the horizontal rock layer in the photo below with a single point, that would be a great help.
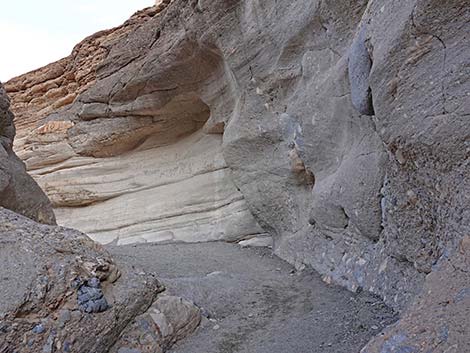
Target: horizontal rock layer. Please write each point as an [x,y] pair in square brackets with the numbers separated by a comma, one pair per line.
[58,288]
[181,192]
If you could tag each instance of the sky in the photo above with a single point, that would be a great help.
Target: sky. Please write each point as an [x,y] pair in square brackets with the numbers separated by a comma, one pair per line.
[35,33]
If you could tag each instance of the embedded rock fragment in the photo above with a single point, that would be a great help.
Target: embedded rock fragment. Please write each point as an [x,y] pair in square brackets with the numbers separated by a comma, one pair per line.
[90,297]
[359,66]
[167,321]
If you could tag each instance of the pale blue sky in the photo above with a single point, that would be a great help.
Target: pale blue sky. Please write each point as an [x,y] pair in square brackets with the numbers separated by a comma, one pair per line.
[34,33]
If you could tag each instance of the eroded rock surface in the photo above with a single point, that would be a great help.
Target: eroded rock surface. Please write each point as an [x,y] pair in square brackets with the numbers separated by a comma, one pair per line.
[142,171]
[61,291]
[438,319]
[288,88]
[45,273]
[18,191]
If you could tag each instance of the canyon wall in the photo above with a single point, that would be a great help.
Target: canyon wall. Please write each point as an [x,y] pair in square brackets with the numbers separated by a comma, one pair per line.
[340,129]
[18,191]
[145,172]
[54,280]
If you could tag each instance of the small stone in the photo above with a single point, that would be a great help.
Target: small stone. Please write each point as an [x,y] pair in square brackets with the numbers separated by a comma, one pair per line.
[400,157]
[94,283]
[38,329]
[90,297]
[49,346]
[64,317]
[67,346]
[374,327]
[216,327]
[128,350]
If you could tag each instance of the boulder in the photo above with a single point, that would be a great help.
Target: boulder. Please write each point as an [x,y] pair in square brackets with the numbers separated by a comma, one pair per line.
[48,270]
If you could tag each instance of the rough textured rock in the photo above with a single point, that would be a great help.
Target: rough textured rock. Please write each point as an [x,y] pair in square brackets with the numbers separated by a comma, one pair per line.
[18,191]
[58,288]
[438,320]
[41,307]
[40,265]
[371,202]
[54,86]
[167,321]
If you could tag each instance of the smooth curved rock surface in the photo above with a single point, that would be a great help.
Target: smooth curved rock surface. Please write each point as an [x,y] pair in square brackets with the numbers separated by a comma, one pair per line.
[371,202]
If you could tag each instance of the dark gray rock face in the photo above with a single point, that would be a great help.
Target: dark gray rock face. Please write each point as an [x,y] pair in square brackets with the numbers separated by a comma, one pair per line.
[18,191]
[359,66]
[438,319]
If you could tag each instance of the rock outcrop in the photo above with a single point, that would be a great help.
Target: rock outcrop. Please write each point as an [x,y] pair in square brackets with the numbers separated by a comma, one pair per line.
[149,174]
[438,319]
[18,191]
[43,273]
[62,292]
[341,129]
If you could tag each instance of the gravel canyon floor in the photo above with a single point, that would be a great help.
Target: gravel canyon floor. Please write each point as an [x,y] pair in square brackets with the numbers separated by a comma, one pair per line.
[255,302]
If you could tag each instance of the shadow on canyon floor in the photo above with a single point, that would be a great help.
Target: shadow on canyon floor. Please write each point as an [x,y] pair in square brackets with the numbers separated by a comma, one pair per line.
[255,302]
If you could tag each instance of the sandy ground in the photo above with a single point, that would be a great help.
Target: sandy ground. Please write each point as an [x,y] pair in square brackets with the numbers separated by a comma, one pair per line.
[254,302]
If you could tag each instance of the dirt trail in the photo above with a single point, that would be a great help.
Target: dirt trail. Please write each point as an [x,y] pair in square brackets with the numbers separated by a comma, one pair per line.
[256,303]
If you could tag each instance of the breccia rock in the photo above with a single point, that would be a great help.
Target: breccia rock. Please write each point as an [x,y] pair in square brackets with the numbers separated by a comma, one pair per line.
[438,319]
[167,321]
[39,267]
[39,310]
[388,196]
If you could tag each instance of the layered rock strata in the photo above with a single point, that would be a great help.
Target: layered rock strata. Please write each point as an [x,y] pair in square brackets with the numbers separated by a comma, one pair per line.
[344,127]
[62,292]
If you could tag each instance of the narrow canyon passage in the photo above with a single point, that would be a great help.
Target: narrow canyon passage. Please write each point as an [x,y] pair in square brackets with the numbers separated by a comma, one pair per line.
[335,131]
[253,301]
